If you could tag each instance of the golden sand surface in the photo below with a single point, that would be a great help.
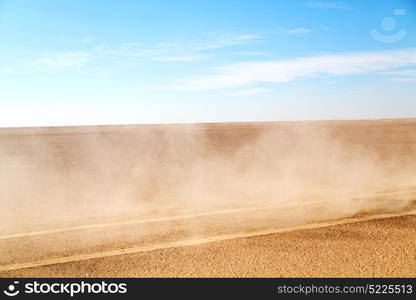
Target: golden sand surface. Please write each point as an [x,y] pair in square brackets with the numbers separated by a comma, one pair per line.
[379,248]
[323,198]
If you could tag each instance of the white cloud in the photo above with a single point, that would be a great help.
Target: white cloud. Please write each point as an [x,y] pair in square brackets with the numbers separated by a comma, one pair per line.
[144,53]
[404,79]
[190,50]
[253,53]
[294,30]
[160,53]
[329,5]
[184,58]
[248,92]
[76,40]
[87,40]
[299,31]
[66,60]
[246,73]
[402,73]
[181,51]
[187,51]
[226,40]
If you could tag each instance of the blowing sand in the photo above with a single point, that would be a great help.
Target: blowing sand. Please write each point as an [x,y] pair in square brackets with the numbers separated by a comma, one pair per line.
[87,201]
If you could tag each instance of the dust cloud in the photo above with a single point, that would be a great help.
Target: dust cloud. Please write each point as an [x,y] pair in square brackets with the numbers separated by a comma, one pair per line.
[52,177]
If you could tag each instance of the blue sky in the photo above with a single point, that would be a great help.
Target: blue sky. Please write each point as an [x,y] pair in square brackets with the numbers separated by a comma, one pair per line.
[77,62]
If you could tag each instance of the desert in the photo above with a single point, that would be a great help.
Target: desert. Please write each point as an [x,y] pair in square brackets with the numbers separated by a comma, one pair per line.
[255,199]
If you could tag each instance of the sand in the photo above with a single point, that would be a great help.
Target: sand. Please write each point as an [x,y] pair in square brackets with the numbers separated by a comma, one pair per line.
[330,198]
[381,248]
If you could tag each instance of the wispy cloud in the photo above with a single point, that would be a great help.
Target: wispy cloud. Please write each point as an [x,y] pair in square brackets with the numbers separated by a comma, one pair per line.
[87,40]
[248,73]
[403,75]
[136,50]
[193,49]
[294,30]
[248,92]
[190,50]
[183,58]
[404,79]
[77,40]
[67,60]
[329,5]
[158,53]
[253,53]
[227,40]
